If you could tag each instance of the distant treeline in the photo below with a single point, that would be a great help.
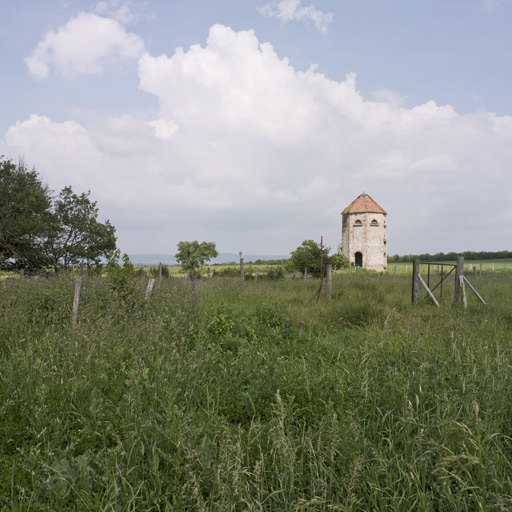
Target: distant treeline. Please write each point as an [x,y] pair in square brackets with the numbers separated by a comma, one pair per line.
[256,262]
[282,261]
[452,256]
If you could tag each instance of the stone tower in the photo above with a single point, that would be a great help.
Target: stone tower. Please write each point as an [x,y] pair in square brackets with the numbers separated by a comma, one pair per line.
[363,234]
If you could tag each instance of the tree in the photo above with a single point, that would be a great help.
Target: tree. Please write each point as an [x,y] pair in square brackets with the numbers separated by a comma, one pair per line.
[75,233]
[192,255]
[37,231]
[308,255]
[25,203]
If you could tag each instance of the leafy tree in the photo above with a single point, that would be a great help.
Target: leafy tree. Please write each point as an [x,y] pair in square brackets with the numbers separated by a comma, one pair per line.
[76,234]
[24,216]
[192,255]
[308,255]
[38,231]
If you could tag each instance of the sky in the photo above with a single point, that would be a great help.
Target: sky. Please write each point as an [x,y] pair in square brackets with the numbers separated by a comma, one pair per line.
[254,123]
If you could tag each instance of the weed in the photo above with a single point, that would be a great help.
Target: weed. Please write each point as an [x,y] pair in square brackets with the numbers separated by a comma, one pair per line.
[206,398]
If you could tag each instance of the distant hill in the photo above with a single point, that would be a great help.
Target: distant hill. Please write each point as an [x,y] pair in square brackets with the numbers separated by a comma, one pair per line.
[225,257]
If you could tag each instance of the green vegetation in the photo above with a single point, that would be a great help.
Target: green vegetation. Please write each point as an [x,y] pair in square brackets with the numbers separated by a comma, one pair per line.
[452,256]
[75,234]
[206,398]
[260,262]
[24,212]
[38,231]
[309,255]
[193,255]
[488,266]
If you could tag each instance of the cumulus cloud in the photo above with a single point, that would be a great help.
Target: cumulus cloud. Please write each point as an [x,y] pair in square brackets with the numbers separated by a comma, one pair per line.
[292,10]
[87,44]
[251,153]
[237,84]
[42,131]
[234,83]
[391,97]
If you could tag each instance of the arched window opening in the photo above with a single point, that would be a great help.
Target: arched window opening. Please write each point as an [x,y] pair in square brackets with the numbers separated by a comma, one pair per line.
[374,223]
[357,223]
[359,259]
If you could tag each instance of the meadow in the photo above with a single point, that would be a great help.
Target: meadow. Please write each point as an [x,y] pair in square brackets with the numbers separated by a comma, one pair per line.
[206,398]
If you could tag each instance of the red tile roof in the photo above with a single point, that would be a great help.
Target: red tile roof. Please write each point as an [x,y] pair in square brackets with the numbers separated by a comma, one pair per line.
[364,204]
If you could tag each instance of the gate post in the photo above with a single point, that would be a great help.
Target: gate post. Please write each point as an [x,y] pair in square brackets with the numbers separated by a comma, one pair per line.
[459,271]
[415,281]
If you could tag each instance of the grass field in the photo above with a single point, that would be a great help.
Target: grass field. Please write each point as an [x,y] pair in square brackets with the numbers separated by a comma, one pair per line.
[206,398]
[501,265]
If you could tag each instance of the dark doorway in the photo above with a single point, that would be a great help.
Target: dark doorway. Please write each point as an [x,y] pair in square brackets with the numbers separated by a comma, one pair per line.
[359,259]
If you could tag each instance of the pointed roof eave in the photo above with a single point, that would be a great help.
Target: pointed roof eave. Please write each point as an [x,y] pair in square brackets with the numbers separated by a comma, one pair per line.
[363,204]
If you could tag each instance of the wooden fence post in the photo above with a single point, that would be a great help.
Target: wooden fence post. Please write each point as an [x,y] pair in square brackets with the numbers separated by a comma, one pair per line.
[76,300]
[459,271]
[160,271]
[394,273]
[242,277]
[474,272]
[415,281]
[477,295]
[149,289]
[328,288]
[305,273]
[256,273]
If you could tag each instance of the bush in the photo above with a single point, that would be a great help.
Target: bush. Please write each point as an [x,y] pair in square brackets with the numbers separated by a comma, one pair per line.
[227,272]
[274,273]
[155,271]
[339,261]
[121,278]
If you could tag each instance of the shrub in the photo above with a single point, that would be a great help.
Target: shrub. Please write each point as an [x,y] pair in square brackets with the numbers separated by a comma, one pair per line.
[274,273]
[227,272]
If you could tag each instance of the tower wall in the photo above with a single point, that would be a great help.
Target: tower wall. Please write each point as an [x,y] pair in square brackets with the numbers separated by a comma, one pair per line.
[365,233]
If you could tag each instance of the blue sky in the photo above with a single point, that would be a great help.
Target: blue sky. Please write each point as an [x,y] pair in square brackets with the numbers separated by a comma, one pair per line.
[253,123]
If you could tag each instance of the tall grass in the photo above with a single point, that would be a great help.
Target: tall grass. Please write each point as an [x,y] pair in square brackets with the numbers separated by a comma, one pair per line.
[206,398]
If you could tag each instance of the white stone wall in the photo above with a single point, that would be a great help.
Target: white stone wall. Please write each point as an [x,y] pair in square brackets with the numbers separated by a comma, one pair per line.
[360,235]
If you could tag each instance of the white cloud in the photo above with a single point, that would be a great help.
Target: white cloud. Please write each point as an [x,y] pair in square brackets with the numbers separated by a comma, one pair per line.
[87,44]
[163,129]
[248,152]
[292,10]
[392,97]
[70,134]
[233,83]
[60,151]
